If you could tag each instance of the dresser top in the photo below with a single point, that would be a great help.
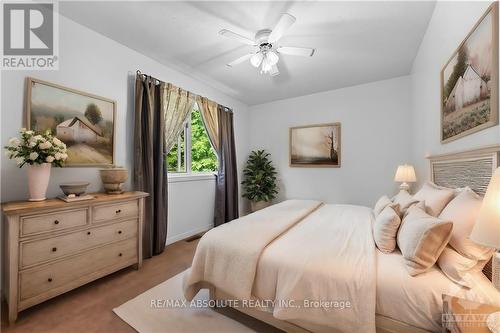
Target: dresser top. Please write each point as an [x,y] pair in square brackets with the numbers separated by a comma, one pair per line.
[17,207]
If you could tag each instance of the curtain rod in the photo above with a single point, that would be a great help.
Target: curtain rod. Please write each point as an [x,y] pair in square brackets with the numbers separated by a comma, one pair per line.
[138,72]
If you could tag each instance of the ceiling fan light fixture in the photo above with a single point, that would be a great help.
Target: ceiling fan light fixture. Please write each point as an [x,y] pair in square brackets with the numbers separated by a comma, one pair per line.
[272,58]
[266,66]
[256,59]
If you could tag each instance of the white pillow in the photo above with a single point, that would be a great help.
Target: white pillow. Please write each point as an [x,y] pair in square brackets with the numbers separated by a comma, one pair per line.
[435,197]
[386,228]
[421,239]
[463,211]
[405,200]
[383,202]
[457,267]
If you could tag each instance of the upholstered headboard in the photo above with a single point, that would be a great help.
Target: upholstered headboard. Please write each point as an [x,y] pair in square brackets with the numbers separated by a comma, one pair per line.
[472,168]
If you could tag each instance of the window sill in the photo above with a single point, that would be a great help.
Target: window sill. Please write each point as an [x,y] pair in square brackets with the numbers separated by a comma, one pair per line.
[183,177]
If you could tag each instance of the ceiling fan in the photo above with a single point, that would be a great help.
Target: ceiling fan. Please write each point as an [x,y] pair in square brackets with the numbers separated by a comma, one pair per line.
[267,56]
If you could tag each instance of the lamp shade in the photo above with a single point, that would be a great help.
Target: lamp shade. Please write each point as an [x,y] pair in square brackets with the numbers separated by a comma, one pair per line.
[487,228]
[405,174]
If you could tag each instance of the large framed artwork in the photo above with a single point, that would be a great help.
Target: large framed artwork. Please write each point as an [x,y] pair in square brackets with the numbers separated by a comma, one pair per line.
[84,122]
[315,146]
[469,81]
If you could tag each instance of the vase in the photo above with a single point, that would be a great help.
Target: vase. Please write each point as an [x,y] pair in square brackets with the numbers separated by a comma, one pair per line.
[258,205]
[38,180]
[112,179]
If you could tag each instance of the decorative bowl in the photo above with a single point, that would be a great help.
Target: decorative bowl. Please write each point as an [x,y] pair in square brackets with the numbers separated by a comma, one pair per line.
[112,179]
[76,188]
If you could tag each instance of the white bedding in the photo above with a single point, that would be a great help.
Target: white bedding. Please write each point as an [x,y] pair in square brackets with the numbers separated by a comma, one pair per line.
[227,256]
[418,300]
[328,256]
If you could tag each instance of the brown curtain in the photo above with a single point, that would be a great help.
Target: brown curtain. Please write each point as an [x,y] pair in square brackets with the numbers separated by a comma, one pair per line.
[150,171]
[226,196]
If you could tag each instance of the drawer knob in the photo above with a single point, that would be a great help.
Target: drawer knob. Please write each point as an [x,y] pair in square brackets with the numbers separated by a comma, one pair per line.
[49,279]
[118,211]
[121,254]
[88,232]
[119,231]
[56,222]
[54,249]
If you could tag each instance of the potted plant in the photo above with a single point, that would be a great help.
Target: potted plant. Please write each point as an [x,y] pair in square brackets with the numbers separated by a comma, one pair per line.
[259,184]
[39,151]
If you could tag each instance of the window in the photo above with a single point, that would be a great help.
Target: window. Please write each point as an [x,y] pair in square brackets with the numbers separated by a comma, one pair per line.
[193,152]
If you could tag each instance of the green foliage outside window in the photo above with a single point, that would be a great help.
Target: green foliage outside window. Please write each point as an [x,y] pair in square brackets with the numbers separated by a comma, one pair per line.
[172,157]
[203,158]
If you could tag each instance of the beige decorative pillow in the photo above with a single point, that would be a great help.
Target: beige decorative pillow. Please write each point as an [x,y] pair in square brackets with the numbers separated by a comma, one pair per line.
[386,228]
[456,267]
[435,197]
[421,239]
[463,211]
[405,200]
[383,202]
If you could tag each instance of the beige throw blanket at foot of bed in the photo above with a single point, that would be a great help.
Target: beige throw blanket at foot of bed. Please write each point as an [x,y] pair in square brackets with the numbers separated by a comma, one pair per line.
[227,256]
[323,271]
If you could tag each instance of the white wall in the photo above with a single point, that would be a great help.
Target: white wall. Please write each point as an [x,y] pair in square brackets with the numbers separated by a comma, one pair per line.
[449,25]
[99,65]
[375,139]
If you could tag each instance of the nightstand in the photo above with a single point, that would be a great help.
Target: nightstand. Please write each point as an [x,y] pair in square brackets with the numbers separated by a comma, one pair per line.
[462,316]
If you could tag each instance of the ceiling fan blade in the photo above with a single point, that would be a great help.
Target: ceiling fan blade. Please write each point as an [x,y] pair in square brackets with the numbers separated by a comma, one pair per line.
[274,70]
[235,36]
[281,27]
[296,51]
[240,60]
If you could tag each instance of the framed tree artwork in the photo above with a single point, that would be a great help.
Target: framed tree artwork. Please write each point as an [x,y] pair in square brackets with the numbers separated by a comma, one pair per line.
[315,146]
[84,122]
[469,81]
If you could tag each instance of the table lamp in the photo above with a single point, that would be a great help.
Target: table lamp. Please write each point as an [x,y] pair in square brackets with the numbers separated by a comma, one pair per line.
[405,174]
[487,232]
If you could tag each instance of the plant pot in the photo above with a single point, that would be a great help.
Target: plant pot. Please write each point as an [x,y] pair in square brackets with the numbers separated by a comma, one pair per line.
[258,205]
[38,181]
[113,178]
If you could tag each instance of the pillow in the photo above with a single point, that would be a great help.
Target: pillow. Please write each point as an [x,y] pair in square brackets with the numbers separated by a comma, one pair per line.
[386,228]
[383,202]
[435,197]
[421,239]
[405,200]
[456,267]
[463,211]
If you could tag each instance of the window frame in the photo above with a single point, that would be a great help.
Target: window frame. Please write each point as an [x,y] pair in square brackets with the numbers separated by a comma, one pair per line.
[189,175]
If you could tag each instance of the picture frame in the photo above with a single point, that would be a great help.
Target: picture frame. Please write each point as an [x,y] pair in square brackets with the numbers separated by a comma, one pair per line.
[66,112]
[469,82]
[315,146]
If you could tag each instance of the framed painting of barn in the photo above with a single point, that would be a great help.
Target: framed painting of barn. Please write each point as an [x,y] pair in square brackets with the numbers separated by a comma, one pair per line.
[469,81]
[315,146]
[84,122]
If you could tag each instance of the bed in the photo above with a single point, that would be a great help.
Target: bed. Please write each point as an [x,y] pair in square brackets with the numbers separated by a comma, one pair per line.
[342,264]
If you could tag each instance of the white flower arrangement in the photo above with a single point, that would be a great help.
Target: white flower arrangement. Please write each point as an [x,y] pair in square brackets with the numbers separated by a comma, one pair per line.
[34,148]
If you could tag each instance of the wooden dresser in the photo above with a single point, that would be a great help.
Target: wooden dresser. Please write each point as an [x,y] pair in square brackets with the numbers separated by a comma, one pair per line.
[51,247]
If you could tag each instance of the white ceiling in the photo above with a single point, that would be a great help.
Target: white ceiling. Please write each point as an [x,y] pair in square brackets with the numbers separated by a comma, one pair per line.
[356,42]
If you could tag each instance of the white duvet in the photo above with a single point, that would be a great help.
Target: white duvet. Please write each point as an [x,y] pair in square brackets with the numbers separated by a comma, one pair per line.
[327,261]
[329,282]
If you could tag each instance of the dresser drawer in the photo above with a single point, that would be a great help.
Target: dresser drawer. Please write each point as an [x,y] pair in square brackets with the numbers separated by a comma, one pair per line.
[38,251]
[41,280]
[116,211]
[53,222]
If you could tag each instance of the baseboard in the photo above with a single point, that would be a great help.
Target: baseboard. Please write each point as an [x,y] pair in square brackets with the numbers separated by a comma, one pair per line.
[187,234]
